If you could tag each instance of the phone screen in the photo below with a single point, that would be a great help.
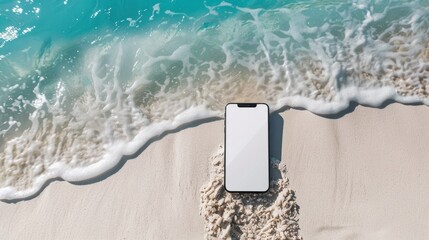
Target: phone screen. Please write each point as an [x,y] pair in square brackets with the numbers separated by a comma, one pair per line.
[246,147]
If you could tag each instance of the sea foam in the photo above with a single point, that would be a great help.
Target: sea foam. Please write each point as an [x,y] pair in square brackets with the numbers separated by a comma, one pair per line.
[72,109]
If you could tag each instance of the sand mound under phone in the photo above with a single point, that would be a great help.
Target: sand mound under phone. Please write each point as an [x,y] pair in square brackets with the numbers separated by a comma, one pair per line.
[271,215]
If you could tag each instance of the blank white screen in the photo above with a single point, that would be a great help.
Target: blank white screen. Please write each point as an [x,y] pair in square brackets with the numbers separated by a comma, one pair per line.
[246,148]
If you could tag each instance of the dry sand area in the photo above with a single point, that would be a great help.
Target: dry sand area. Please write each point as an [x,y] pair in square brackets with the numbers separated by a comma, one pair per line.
[363,174]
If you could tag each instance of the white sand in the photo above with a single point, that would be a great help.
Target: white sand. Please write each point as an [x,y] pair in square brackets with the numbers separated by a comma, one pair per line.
[155,196]
[363,176]
[270,215]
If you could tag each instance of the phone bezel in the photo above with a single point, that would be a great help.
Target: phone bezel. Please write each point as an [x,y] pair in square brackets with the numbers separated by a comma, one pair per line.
[224,148]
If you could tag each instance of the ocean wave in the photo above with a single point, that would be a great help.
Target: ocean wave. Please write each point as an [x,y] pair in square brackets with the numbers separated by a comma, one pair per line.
[72,108]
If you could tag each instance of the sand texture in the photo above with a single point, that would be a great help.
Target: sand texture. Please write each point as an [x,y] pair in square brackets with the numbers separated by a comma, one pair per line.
[363,174]
[155,196]
[271,215]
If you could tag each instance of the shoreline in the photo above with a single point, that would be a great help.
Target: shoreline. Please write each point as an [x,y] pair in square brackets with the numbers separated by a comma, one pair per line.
[111,160]
[339,171]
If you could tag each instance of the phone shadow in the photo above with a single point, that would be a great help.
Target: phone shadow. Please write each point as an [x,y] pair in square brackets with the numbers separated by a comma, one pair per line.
[276,142]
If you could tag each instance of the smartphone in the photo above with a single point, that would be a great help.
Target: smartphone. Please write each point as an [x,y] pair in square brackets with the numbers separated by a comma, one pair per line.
[246,157]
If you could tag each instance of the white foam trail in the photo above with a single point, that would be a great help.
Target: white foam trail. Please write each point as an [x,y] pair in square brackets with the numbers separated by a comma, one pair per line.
[111,158]
[123,92]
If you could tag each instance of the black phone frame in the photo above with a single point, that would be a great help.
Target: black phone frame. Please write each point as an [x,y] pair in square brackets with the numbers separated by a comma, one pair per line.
[224,147]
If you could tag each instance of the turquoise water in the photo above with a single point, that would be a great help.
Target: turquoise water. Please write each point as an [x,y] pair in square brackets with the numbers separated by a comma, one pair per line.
[84,83]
